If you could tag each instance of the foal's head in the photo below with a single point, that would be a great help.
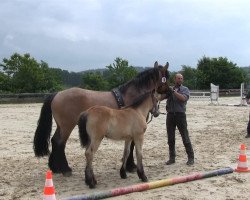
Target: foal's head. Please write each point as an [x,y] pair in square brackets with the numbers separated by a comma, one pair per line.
[155,108]
[151,103]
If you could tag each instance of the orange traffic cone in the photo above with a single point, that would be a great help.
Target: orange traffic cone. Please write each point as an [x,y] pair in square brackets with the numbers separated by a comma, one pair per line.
[49,190]
[242,163]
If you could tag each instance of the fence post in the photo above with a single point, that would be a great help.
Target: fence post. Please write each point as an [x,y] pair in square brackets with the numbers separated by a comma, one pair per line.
[214,92]
[242,95]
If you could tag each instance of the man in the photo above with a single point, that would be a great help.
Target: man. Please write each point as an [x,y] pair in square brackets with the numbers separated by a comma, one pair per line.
[176,117]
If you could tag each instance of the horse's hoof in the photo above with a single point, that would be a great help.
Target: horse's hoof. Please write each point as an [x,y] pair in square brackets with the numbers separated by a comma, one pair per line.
[131,169]
[67,174]
[142,176]
[124,176]
[144,179]
[123,173]
[91,182]
[91,186]
[55,171]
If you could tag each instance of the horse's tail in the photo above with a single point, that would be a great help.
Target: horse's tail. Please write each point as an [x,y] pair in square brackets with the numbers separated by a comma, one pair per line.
[43,130]
[83,134]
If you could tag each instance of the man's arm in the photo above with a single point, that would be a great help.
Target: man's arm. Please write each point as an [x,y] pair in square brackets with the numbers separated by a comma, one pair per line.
[180,96]
[183,94]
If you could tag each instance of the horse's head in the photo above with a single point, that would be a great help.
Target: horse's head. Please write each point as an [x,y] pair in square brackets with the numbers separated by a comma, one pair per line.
[154,78]
[162,85]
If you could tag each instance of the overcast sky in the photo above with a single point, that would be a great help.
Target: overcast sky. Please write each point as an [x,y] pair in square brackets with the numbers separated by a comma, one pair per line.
[82,34]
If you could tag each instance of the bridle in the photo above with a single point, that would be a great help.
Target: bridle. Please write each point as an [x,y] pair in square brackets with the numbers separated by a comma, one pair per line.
[156,107]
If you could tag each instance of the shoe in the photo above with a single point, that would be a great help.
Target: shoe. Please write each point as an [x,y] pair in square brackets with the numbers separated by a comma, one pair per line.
[170,161]
[247,136]
[190,161]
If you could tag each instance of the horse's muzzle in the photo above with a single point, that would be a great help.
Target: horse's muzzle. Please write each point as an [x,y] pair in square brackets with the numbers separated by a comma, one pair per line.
[156,114]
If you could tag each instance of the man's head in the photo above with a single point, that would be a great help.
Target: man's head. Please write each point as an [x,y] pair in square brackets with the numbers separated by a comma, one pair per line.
[178,79]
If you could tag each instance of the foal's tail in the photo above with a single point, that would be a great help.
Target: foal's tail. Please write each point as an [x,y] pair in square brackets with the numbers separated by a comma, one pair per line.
[83,134]
[43,130]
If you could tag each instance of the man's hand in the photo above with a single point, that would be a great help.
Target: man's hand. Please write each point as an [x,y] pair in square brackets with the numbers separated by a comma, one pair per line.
[169,92]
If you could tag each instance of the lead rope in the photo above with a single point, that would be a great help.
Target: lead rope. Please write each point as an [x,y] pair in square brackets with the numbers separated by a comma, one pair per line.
[150,119]
[153,116]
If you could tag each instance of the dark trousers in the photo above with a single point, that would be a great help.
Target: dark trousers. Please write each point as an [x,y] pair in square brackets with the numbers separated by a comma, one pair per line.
[178,120]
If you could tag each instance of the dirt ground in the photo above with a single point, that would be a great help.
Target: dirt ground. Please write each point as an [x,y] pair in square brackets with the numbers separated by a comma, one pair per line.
[216,131]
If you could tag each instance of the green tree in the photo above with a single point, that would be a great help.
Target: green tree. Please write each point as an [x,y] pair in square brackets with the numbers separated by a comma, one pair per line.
[25,74]
[190,77]
[4,82]
[52,80]
[94,81]
[69,79]
[219,71]
[120,72]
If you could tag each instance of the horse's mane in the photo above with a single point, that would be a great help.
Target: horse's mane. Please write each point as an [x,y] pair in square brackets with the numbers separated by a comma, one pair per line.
[139,100]
[142,80]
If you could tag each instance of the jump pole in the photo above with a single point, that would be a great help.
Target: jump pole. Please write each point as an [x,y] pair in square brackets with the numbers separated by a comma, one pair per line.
[151,185]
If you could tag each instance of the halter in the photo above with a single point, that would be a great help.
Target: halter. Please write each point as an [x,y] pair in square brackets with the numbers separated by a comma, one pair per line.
[157,106]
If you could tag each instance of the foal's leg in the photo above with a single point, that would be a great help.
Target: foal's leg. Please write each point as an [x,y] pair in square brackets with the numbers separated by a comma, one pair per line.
[124,159]
[140,170]
[131,166]
[89,153]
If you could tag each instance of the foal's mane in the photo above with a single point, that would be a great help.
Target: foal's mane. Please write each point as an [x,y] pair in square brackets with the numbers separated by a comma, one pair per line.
[138,101]
[142,80]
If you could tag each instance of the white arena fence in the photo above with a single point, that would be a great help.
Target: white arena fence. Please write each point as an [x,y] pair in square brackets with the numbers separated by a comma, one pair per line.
[197,95]
[213,94]
[200,95]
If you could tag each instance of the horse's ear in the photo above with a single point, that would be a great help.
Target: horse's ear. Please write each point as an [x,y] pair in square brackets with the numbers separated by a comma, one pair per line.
[156,64]
[167,65]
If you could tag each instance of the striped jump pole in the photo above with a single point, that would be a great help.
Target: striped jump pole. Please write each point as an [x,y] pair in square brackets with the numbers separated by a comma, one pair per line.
[151,185]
